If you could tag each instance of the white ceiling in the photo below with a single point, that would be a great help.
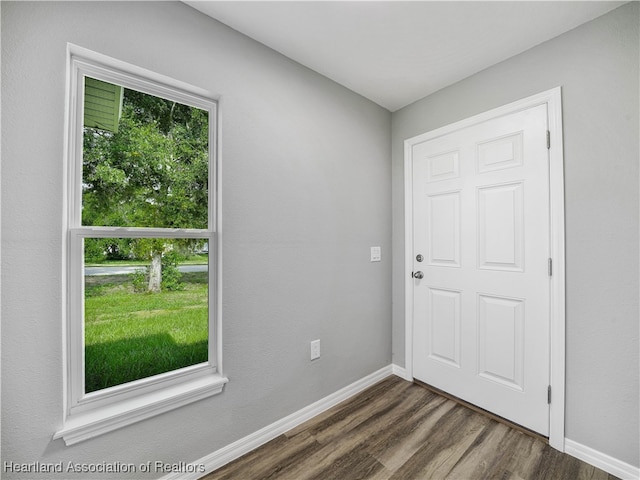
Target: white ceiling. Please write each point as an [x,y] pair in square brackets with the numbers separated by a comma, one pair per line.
[396,52]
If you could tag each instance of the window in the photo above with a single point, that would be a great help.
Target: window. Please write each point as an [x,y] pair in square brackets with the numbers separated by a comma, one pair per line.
[143,282]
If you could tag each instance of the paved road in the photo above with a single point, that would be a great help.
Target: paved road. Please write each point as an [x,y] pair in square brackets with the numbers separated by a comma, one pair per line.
[119,270]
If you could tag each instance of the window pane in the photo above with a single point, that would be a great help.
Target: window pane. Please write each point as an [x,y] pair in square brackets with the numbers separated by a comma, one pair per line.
[134,328]
[145,160]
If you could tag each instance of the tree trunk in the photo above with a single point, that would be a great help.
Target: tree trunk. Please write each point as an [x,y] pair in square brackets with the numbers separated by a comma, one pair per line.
[155,272]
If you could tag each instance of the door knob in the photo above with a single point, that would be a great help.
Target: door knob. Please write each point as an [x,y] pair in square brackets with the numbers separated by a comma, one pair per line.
[418,275]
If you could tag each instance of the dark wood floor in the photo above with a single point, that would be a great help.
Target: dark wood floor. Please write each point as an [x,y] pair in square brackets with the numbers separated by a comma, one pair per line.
[400,430]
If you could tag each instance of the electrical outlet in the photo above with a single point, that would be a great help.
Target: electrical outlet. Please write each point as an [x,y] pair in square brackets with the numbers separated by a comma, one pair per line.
[315,349]
[376,254]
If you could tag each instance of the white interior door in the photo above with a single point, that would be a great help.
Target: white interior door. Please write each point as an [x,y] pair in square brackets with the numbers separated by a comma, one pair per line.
[481,242]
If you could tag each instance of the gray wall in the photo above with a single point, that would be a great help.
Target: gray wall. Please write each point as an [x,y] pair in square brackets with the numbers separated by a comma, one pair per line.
[306,173]
[597,66]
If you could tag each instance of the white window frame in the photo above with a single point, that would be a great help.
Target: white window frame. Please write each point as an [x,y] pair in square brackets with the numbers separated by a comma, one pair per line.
[87,415]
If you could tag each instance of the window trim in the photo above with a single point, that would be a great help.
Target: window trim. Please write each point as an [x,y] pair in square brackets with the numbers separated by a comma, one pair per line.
[88,415]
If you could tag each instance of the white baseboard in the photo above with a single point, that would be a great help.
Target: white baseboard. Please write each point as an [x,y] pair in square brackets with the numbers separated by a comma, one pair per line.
[401,372]
[243,446]
[601,460]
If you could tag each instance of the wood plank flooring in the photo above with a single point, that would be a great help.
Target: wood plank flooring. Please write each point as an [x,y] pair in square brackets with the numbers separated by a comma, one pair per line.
[398,430]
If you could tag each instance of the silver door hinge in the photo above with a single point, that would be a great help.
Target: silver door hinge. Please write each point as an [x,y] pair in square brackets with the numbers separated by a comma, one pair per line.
[548,139]
[550,267]
[549,394]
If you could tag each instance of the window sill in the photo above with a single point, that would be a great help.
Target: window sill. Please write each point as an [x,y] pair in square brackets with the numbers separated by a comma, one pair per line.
[83,426]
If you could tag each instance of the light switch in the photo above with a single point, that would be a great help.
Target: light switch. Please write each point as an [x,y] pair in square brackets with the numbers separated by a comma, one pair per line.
[376,255]
[315,349]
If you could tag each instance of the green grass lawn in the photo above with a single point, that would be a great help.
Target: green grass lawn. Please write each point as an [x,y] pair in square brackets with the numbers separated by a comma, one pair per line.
[129,336]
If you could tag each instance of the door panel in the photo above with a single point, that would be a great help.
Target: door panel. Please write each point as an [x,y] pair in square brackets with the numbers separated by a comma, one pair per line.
[443,166]
[481,221]
[444,340]
[443,247]
[499,153]
[501,227]
[501,340]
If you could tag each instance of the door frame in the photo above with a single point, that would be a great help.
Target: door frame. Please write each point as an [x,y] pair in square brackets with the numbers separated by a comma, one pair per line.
[553,99]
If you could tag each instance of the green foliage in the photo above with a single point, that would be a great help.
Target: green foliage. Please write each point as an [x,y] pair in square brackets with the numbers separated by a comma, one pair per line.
[146,248]
[170,274]
[94,250]
[139,280]
[97,250]
[153,172]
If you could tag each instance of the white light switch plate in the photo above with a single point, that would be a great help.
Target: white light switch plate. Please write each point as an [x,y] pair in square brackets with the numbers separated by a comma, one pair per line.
[315,349]
[376,254]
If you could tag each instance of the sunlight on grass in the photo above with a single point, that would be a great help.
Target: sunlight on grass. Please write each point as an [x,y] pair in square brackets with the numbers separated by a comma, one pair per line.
[129,336]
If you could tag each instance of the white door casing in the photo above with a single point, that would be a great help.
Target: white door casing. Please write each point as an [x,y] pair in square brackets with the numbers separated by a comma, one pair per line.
[484,208]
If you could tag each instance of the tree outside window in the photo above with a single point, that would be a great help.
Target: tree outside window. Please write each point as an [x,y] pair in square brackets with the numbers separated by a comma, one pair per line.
[147,168]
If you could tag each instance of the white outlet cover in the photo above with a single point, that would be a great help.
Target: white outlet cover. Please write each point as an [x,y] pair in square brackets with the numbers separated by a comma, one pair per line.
[376,254]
